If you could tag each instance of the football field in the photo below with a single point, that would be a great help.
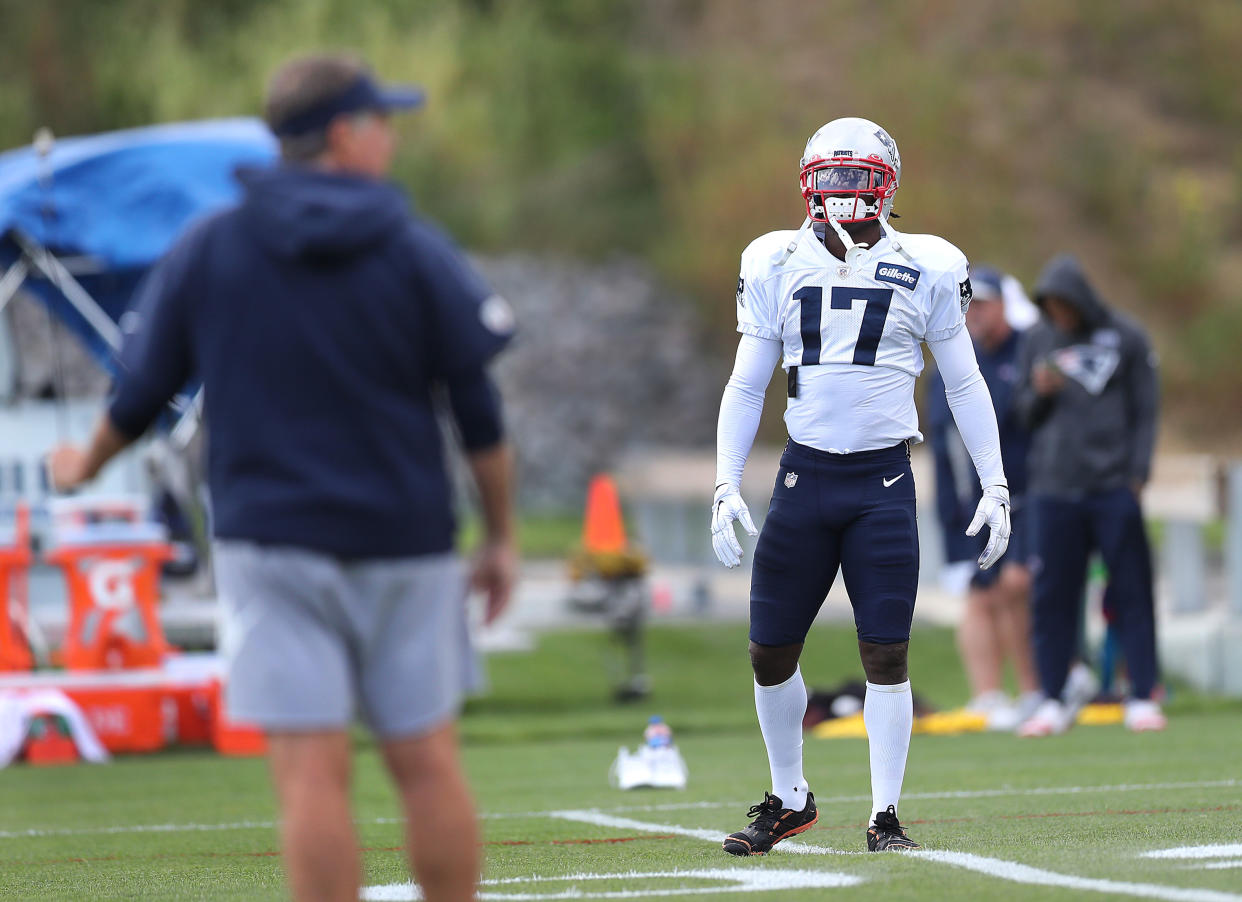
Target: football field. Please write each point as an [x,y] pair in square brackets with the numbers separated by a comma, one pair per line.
[1097,813]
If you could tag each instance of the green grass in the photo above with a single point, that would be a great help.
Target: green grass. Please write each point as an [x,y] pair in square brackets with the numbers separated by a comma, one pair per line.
[540,535]
[543,741]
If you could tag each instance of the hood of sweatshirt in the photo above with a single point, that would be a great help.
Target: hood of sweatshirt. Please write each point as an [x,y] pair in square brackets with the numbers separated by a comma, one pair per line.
[1063,277]
[299,212]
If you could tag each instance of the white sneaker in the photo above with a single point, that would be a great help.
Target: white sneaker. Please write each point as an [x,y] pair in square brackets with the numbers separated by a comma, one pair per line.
[1028,703]
[1011,717]
[987,702]
[1004,719]
[1081,686]
[1049,719]
[1143,715]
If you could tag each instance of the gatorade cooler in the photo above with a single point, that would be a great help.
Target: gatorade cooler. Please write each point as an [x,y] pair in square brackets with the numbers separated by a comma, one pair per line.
[111,555]
[14,584]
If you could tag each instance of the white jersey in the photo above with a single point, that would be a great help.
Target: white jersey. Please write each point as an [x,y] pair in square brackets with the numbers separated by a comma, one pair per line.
[851,336]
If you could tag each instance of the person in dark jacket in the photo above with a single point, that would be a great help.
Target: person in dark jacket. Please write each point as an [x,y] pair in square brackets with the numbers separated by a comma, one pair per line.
[324,321]
[995,625]
[1089,395]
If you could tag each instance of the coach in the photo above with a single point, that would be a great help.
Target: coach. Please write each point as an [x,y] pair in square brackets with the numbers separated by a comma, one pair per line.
[325,321]
[1088,393]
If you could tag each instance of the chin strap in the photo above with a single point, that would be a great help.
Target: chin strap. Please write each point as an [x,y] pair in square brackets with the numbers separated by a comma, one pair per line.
[892,236]
[793,244]
[855,254]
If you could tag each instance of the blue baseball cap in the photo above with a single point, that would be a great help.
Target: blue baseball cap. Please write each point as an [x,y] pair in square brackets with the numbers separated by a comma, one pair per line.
[987,283]
[363,94]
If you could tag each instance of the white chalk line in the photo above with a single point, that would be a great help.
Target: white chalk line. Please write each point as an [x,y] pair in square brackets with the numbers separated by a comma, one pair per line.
[734,880]
[624,823]
[1021,873]
[1002,792]
[992,867]
[1217,851]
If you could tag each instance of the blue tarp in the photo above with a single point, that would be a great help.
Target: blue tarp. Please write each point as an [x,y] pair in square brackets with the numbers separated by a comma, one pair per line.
[121,199]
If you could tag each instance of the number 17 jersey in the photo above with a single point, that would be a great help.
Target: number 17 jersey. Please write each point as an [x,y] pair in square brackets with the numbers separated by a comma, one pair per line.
[852,336]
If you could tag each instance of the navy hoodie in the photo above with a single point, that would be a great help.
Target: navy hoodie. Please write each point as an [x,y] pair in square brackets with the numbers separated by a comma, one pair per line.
[321,317]
[1098,433]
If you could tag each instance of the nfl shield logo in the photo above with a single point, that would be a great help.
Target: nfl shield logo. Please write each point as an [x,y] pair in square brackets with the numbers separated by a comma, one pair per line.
[791,479]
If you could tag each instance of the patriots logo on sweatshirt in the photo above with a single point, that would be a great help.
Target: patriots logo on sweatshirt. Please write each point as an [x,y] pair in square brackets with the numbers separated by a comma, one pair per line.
[1090,365]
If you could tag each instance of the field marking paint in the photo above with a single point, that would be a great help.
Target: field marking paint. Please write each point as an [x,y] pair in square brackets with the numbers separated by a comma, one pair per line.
[1219,851]
[1006,792]
[35,832]
[1021,873]
[1231,853]
[992,867]
[715,836]
[1065,790]
[735,880]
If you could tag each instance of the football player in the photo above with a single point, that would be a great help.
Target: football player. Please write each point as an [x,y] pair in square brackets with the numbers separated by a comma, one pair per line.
[843,304]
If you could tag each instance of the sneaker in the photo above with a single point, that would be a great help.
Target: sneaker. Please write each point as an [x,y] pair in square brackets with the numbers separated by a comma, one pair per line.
[987,702]
[1004,719]
[1144,715]
[1028,704]
[1081,687]
[1049,719]
[887,834]
[772,823]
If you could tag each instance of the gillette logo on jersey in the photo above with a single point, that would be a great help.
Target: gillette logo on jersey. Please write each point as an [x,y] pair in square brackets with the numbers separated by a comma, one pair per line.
[897,275]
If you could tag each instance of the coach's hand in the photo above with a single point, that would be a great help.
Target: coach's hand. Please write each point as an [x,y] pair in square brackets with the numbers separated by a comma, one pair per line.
[494,573]
[66,468]
[727,507]
[993,510]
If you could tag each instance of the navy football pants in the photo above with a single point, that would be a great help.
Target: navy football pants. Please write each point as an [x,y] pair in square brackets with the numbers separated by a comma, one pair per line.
[852,511]
[1066,532]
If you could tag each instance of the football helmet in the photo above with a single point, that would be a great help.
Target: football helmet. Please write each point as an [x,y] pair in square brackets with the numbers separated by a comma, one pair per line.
[850,171]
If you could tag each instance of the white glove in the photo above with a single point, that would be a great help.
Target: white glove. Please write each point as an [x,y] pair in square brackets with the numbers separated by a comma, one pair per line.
[727,507]
[993,510]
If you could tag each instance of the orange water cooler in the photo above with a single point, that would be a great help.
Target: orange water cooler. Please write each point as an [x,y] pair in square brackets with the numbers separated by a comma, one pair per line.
[14,598]
[111,557]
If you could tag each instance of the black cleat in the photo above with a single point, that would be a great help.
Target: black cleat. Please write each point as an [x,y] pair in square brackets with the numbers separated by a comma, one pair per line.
[887,835]
[771,824]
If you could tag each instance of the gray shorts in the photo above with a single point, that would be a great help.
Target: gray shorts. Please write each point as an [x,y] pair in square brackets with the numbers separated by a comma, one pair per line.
[307,638]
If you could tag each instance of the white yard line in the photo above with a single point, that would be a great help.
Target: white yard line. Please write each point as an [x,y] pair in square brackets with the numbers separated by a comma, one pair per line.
[1067,790]
[1220,851]
[134,828]
[734,880]
[1021,873]
[624,823]
[1003,792]
[991,867]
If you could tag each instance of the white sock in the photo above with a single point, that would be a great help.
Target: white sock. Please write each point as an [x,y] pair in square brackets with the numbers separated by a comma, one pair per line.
[781,709]
[888,713]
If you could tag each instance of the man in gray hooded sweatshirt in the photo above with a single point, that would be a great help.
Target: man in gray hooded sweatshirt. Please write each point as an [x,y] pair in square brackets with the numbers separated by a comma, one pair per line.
[1088,393]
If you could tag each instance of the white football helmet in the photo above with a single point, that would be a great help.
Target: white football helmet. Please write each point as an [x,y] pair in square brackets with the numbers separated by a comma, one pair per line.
[850,171]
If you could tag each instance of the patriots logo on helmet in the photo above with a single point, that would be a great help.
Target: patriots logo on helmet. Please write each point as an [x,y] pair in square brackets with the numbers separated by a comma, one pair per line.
[884,138]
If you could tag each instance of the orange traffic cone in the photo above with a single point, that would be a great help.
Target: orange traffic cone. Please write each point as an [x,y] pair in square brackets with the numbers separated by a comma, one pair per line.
[603,529]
